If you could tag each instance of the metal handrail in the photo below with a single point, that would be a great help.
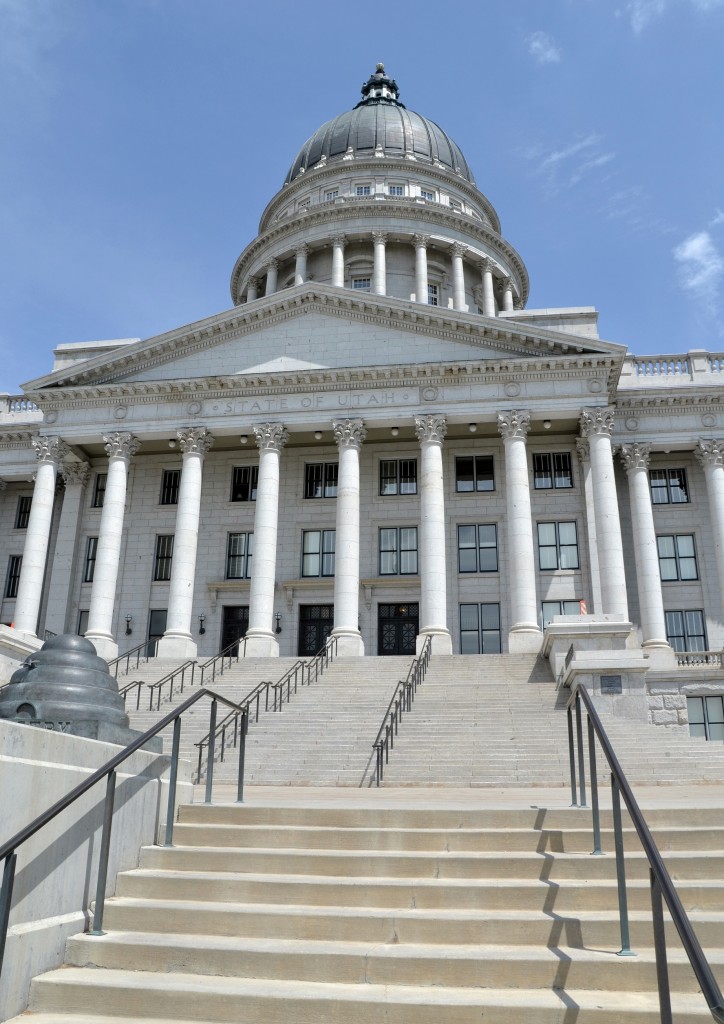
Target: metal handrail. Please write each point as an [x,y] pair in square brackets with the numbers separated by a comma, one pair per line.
[128,655]
[139,684]
[321,659]
[154,689]
[8,850]
[299,669]
[232,719]
[661,884]
[400,702]
[211,664]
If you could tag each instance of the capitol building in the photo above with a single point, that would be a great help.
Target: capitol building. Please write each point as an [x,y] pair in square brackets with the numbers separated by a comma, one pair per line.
[378,440]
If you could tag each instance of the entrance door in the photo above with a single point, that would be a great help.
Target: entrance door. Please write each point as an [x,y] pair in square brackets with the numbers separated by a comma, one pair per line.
[234,625]
[156,629]
[315,625]
[397,626]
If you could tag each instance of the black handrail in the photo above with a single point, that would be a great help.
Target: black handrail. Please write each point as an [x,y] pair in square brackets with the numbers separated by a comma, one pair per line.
[211,664]
[297,673]
[400,702]
[8,850]
[661,884]
[148,645]
[239,710]
[155,689]
[124,691]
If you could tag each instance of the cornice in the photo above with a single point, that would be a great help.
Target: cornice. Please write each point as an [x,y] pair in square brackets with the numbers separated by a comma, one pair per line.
[656,401]
[16,438]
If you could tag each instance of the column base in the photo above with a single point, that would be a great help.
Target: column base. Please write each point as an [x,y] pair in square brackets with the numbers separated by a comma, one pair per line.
[441,641]
[349,643]
[106,647]
[661,656]
[259,645]
[525,640]
[176,645]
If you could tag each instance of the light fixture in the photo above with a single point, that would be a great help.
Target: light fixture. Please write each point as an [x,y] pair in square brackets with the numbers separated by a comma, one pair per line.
[202,620]
[472,427]
[129,620]
[546,424]
[172,442]
[317,435]
[244,438]
[395,431]
[279,623]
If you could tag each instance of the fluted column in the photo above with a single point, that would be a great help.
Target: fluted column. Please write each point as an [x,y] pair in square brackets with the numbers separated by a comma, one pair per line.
[421,242]
[458,276]
[710,456]
[272,271]
[349,435]
[525,634]
[261,641]
[120,449]
[252,289]
[57,615]
[507,295]
[597,427]
[48,451]
[635,458]
[379,273]
[431,432]
[338,244]
[177,641]
[584,455]
[300,267]
[488,293]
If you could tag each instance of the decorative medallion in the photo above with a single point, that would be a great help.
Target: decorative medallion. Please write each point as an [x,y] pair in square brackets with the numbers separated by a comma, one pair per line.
[51,416]
[708,420]
[512,389]
[595,386]
[632,423]
[193,408]
[430,394]
[120,412]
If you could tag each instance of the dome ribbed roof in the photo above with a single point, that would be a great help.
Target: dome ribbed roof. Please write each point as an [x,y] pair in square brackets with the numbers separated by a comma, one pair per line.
[380,120]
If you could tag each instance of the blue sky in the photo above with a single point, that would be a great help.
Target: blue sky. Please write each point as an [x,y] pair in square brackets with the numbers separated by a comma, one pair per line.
[142,139]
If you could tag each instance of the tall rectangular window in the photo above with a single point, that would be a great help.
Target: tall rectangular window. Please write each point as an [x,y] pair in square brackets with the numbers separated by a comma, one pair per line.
[480,629]
[99,490]
[91,550]
[474,473]
[13,577]
[557,546]
[433,295]
[244,481]
[552,469]
[398,551]
[668,486]
[478,548]
[320,480]
[169,486]
[398,476]
[685,630]
[22,513]
[318,552]
[706,716]
[163,556]
[239,550]
[677,557]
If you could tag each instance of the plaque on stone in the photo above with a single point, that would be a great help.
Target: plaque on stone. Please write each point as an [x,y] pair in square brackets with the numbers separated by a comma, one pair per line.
[611,684]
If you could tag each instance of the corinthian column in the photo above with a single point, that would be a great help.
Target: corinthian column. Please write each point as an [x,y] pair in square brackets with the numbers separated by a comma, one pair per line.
[261,641]
[272,271]
[431,432]
[338,244]
[177,642]
[75,477]
[488,293]
[584,455]
[421,242]
[349,435]
[458,276]
[300,265]
[252,289]
[120,448]
[508,295]
[524,633]
[635,458]
[597,427]
[379,273]
[48,451]
[710,456]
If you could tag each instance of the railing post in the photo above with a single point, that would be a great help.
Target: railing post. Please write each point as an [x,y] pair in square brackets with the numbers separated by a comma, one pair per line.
[242,755]
[6,897]
[597,852]
[210,758]
[620,870]
[171,809]
[572,758]
[103,857]
[662,967]
[581,758]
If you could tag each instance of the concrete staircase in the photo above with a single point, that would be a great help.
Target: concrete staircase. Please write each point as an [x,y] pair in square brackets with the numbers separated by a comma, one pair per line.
[426,909]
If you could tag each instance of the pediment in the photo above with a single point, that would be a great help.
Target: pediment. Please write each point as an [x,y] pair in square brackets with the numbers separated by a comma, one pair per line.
[318,327]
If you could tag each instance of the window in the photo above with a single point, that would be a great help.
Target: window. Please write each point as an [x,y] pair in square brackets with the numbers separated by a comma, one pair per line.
[99,490]
[551,608]
[239,550]
[332,194]
[474,473]
[362,190]
[169,486]
[318,552]
[91,550]
[243,483]
[552,470]
[455,205]
[706,716]
[557,546]
[13,577]
[398,551]
[478,548]
[432,295]
[320,480]
[162,559]
[82,621]
[362,284]
[677,557]
[22,515]
[424,194]
[685,630]
[396,190]
[480,629]
[668,486]
[398,476]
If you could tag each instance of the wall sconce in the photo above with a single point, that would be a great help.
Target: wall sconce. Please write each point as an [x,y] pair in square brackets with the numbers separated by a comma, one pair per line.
[394,431]
[472,427]
[172,442]
[279,623]
[317,435]
[546,424]
[129,620]
[202,628]
[244,438]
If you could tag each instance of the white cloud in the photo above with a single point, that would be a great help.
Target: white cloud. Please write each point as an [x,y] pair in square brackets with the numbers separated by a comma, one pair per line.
[641,12]
[701,267]
[542,47]
[717,219]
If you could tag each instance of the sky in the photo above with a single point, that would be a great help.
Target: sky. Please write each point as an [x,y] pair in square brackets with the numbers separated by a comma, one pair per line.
[140,141]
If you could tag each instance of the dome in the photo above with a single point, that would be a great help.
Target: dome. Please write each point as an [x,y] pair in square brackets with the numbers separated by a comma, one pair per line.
[381,123]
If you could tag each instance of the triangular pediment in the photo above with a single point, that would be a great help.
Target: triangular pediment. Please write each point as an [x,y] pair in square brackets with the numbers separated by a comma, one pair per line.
[317,327]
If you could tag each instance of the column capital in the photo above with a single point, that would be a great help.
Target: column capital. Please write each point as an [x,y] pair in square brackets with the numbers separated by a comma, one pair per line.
[272,264]
[431,428]
[518,303]
[270,436]
[458,249]
[507,284]
[635,456]
[349,433]
[583,449]
[486,265]
[75,473]
[303,249]
[596,421]
[709,453]
[421,241]
[252,282]
[379,237]
[194,440]
[513,424]
[121,446]
[339,240]
[49,449]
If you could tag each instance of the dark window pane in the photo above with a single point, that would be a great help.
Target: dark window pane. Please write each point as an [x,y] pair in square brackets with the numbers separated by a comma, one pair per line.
[244,480]
[99,490]
[169,486]
[22,515]
[464,480]
[542,475]
[563,476]
[677,485]
[484,479]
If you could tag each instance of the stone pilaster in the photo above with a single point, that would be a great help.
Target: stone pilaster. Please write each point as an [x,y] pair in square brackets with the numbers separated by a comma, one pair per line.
[431,432]
[710,456]
[349,436]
